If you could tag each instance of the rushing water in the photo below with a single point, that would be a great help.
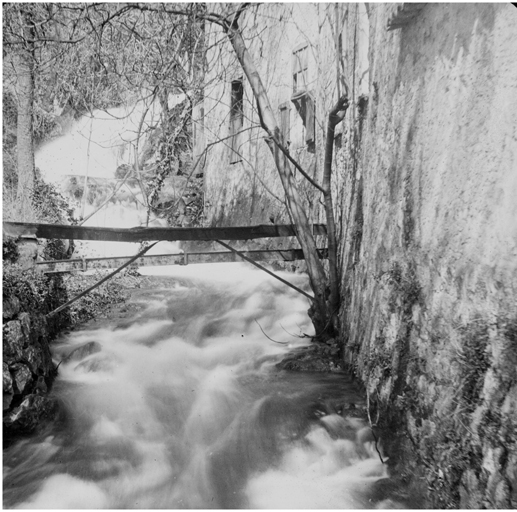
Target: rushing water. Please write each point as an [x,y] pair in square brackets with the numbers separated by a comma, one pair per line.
[180,405]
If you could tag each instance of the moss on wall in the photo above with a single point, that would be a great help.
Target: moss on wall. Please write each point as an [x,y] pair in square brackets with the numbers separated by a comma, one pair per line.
[428,320]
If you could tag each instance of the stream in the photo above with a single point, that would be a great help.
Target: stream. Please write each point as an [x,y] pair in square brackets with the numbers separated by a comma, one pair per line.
[179,404]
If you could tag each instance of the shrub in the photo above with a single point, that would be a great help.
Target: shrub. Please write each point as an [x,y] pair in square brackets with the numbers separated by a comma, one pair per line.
[98,301]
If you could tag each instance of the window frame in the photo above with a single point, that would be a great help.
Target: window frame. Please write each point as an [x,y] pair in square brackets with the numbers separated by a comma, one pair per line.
[285,122]
[236,118]
[300,69]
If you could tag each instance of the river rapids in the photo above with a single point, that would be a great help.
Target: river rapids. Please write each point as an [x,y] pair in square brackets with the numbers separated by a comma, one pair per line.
[180,405]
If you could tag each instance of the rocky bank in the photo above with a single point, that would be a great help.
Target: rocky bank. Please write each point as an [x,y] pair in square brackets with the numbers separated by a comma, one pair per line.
[28,370]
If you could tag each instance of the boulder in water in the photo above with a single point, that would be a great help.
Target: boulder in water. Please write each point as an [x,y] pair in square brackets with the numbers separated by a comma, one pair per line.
[29,414]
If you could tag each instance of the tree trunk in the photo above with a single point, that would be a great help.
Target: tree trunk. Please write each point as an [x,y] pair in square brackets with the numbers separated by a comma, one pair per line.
[336,115]
[318,280]
[25,95]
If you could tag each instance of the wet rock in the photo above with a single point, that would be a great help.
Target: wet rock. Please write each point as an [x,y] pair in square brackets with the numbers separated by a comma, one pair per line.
[34,359]
[7,398]
[7,380]
[39,327]
[29,415]
[40,388]
[25,321]
[11,307]
[22,378]
[8,391]
[13,340]
[92,347]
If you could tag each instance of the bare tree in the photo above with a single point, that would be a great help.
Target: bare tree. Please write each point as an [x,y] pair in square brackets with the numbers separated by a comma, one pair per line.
[23,26]
[130,54]
[326,290]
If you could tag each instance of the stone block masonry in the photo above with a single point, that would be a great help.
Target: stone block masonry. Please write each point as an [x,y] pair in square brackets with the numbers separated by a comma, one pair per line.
[28,370]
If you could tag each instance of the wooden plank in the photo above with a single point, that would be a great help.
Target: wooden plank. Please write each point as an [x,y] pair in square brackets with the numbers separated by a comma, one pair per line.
[139,234]
[77,265]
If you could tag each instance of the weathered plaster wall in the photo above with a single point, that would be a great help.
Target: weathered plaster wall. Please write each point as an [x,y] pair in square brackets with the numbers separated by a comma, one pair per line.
[250,192]
[425,183]
[430,260]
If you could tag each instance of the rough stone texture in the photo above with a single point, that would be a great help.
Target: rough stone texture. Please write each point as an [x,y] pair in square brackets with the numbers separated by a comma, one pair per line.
[8,391]
[28,370]
[30,414]
[22,378]
[430,268]
[13,340]
[11,307]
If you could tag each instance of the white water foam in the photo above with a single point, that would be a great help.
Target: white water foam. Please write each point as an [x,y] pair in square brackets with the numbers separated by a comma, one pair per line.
[167,415]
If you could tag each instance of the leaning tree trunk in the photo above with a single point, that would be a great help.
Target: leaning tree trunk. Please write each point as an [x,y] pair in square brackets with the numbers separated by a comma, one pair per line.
[25,96]
[318,280]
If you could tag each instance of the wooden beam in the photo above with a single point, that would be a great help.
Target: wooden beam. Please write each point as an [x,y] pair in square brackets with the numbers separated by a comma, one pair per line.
[139,234]
[78,265]
[264,269]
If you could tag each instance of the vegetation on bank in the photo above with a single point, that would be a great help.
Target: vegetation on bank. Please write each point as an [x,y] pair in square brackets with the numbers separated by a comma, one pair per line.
[28,298]
[445,404]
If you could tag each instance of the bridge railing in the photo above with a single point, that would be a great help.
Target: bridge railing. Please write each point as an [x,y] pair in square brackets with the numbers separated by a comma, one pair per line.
[139,234]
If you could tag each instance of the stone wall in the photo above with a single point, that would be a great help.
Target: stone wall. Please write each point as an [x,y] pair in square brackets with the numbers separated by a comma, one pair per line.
[429,257]
[28,370]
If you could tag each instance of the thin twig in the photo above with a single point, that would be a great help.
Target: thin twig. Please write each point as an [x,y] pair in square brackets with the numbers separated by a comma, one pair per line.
[371,426]
[290,333]
[274,341]
[295,335]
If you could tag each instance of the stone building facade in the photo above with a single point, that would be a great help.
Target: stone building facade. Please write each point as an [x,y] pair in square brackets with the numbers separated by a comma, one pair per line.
[425,180]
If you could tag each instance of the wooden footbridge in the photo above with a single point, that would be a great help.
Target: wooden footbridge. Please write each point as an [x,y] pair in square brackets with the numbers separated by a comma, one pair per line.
[35,231]
[139,234]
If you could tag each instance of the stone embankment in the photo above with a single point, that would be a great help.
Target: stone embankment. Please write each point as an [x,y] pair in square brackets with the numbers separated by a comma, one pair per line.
[28,297]
[28,370]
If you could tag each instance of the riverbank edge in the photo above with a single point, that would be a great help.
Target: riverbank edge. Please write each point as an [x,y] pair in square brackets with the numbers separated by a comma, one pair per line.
[28,371]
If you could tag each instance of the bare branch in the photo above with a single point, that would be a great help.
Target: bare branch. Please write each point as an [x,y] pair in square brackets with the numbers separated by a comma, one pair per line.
[249,260]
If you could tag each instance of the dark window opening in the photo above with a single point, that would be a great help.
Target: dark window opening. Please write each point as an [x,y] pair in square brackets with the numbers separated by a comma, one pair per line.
[306,108]
[285,123]
[300,70]
[302,98]
[236,120]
